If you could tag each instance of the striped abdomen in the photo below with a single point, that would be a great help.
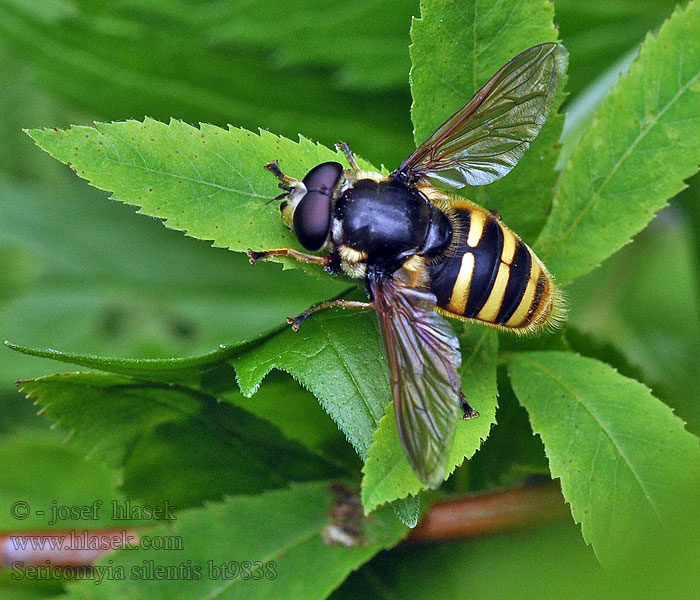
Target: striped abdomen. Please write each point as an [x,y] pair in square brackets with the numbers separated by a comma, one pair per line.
[492,275]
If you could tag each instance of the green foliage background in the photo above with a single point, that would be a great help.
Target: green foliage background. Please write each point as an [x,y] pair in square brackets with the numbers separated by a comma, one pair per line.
[230,436]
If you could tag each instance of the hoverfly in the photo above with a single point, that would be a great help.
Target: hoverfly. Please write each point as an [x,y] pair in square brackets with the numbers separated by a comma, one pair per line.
[423,253]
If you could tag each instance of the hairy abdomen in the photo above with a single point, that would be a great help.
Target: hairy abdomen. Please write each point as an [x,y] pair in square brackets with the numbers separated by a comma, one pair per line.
[492,276]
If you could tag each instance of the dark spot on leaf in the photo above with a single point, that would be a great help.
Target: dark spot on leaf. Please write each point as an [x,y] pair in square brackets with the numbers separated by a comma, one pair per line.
[183,328]
[150,189]
[111,321]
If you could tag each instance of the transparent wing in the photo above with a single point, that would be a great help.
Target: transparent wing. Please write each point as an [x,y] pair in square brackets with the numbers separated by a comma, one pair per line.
[424,359]
[487,137]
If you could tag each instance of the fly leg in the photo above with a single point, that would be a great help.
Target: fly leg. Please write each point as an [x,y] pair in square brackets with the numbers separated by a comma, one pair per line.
[325,261]
[296,322]
[469,412]
[287,183]
[348,154]
[274,168]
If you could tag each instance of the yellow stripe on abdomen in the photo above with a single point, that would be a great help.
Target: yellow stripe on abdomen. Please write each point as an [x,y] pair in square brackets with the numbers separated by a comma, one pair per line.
[460,291]
[509,243]
[490,275]
[476,228]
[495,299]
[519,318]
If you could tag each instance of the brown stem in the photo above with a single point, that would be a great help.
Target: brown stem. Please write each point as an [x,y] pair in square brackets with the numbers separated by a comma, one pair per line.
[65,549]
[491,513]
[487,513]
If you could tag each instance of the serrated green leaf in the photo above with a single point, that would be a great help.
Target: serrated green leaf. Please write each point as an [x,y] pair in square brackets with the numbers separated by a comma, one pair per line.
[282,530]
[627,466]
[43,472]
[174,443]
[456,48]
[206,181]
[338,357]
[644,141]
[387,473]
[408,510]
[193,370]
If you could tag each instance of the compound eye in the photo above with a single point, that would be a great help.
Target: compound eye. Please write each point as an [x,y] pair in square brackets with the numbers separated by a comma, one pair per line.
[312,220]
[323,177]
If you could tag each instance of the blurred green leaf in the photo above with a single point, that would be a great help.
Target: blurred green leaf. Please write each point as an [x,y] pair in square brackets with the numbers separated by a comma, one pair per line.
[282,529]
[644,301]
[547,563]
[634,157]
[40,470]
[512,452]
[455,49]
[83,274]
[581,110]
[12,588]
[598,33]
[689,202]
[299,417]
[24,103]
[588,345]
[598,429]
[173,443]
[125,60]
[364,41]
[387,473]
